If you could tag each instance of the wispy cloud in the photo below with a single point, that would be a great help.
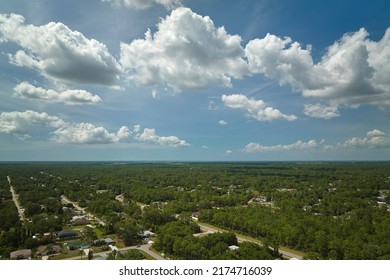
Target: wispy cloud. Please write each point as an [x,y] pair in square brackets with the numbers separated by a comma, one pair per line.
[374,139]
[144,4]
[321,111]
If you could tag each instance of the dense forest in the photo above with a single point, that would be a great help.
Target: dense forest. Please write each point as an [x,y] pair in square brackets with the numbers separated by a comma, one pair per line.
[326,210]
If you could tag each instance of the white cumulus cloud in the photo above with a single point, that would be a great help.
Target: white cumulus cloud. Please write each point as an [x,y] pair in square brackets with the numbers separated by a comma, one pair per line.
[144,4]
[353,71]
[186,52]
[256,109]
[87,133]
[299,145]
[59,53]
[280,59]
[222,122]
[21,123]
[149,135]
[374,139]
[26,90]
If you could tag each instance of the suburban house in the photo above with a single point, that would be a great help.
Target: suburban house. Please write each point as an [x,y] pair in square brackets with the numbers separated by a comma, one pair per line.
[78,245]
[48,250]
[104,241]
[80,222]
[24,254]
[67,234]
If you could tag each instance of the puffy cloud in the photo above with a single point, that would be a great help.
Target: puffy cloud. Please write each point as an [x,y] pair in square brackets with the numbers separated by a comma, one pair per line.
[149,135]
[144,4]
[353,71]
[26,90]
[186,52]
[222,122]
[321,111]
[86,133]
[280,59]
[20,123]
[299,145]
[346,70]
[375,139]
[59,53]
[256,109]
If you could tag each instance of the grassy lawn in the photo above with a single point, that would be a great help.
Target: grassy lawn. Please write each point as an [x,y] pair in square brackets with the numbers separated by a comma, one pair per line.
[292,251]
[98,231]
[147,256]
[66,253]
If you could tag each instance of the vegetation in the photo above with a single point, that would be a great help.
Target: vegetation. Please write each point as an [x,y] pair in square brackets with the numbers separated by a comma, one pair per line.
[327,210]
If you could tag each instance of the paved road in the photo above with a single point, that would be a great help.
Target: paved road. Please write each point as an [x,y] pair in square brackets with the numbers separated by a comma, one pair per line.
[16,200]
[145,248]
[82,210]
[285,254]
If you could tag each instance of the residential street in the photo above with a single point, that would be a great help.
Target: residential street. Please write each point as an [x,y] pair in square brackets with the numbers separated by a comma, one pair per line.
[145,248]
[284,253]
[82,210]
[16,200]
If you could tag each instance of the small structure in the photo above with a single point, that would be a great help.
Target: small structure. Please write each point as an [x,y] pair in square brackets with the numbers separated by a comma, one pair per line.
[24,254]
[113,248]
[233,247]
[146,234]
[67,234]
[195,216]
[89,253]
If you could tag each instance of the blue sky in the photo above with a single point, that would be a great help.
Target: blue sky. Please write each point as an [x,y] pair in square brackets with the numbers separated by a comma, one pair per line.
[193,80]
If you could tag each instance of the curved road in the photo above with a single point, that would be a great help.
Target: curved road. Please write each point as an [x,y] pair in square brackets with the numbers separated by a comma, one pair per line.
[284,253]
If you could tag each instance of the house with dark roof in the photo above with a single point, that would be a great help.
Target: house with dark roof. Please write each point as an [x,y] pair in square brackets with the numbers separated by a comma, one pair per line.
[78,245]
[80,222]
[67,234]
